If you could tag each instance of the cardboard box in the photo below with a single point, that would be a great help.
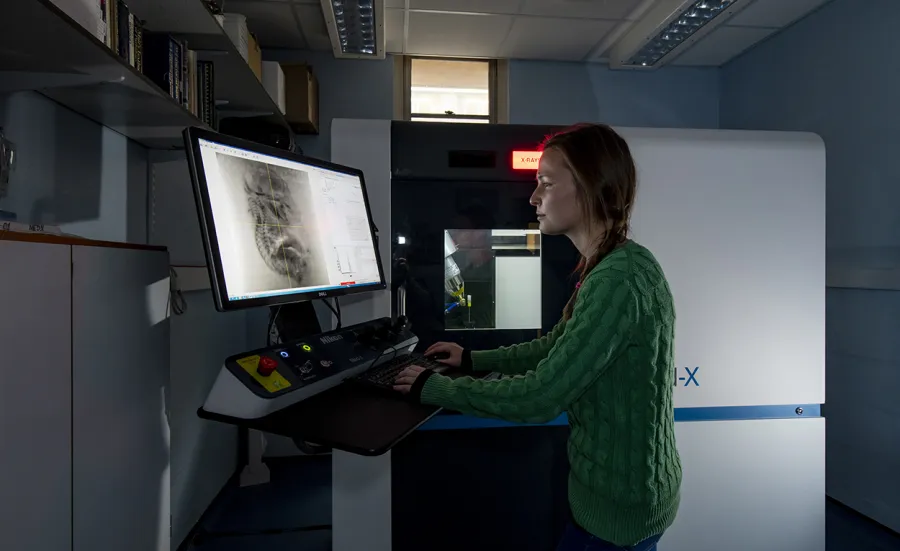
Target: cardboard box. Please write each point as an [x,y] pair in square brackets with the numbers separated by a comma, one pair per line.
[273,82]
[301,98]
[254,56]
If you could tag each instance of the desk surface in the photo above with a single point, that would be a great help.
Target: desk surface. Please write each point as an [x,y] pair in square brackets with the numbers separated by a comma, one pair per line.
[348,417]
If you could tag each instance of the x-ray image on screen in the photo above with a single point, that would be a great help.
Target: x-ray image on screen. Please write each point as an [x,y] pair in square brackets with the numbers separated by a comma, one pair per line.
[492,279]
[273,242]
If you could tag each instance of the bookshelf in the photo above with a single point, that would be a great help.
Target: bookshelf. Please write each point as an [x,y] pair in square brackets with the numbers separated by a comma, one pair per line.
[45,50]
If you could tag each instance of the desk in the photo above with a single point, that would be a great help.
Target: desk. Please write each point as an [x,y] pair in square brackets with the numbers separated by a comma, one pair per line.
[361,426]
[348,417]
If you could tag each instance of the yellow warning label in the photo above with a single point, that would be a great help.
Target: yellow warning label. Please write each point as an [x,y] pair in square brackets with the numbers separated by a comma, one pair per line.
[272,383]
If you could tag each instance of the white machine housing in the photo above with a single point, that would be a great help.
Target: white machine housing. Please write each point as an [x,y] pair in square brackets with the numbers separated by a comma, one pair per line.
[737,220]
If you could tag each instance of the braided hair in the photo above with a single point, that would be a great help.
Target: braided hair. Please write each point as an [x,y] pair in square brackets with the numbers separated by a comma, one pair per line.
[606,181]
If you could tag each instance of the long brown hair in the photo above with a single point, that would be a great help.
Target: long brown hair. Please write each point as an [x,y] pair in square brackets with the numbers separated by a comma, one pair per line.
[606,179]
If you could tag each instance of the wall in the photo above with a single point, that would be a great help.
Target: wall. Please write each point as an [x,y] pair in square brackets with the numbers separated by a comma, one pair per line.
[204,453]
[563,93]
[801,79]
[72,172]
[94,182]
[348,89]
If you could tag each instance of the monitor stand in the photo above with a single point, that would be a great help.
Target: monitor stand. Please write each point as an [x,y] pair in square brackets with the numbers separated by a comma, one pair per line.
[288,322]
[294,322]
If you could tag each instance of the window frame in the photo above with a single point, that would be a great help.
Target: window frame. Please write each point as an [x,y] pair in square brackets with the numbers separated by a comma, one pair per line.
[497,83]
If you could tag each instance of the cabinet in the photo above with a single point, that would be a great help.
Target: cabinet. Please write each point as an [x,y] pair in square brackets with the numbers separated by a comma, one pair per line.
[84,384]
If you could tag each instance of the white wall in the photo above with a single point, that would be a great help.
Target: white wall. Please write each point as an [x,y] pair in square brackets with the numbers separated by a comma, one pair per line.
[797,80]
[204,453]
[94,182]
[347,89]
[72,172]
[544,92]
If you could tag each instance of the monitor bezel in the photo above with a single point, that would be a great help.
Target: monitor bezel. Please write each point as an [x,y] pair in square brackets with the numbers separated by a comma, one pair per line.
[192,137]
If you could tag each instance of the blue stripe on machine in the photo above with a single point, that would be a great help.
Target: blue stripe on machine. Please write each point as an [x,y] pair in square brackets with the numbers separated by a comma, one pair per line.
[682,415]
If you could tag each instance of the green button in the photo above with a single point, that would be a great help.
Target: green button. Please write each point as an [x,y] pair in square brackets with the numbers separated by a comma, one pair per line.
[307,347]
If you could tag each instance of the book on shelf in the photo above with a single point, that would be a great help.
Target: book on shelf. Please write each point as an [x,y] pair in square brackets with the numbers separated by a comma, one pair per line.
[163,58]
[206,89]
[87,13]
[174,67]
[123,32]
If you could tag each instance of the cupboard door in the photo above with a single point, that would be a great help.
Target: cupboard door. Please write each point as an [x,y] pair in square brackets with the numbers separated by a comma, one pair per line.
[120,394]
[35,396]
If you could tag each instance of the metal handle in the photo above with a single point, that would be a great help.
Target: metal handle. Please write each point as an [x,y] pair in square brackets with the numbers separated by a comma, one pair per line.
[401,300]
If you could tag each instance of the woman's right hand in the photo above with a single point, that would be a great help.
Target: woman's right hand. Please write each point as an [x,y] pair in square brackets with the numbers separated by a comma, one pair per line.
[448,353]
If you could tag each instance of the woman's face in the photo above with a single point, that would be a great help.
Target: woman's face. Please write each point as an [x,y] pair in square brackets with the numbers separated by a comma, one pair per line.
[556,196]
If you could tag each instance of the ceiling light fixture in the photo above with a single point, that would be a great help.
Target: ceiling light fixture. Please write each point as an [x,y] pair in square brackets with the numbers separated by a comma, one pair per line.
[669,29]
[356,28]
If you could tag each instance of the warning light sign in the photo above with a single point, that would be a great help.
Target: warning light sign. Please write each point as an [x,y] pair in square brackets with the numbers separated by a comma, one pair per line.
[526,160]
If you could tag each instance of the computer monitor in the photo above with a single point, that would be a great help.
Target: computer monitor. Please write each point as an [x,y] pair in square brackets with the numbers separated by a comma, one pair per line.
[279,227]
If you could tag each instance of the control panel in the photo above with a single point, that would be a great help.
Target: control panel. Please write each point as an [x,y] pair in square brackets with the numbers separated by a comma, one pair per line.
[259,382]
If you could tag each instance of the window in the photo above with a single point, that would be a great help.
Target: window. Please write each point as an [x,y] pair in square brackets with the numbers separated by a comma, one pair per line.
[449,90]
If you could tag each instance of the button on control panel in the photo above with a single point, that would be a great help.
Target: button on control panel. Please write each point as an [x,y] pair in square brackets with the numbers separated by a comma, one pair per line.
[266,366]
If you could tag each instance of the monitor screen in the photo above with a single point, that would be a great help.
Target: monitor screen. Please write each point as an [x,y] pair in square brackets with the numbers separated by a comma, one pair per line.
[280,227]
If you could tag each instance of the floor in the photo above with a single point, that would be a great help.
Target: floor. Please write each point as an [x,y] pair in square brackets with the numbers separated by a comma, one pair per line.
[264,518]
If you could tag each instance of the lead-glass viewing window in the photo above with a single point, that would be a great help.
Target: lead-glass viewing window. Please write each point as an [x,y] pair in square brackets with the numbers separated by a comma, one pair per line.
[492,279]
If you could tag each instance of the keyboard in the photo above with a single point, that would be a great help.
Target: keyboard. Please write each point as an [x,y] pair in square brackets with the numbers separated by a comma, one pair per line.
[383,376]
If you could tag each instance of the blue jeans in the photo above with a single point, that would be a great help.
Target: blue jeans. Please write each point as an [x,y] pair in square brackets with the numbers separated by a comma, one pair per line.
[576,539]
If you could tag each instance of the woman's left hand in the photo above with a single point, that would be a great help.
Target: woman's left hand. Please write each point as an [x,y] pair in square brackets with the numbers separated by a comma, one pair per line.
[404,381]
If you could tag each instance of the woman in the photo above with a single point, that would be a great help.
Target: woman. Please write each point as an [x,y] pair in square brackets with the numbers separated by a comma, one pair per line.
[608,363]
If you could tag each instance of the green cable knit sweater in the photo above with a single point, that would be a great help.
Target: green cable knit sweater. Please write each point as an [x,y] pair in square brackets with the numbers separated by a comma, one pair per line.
[610,367]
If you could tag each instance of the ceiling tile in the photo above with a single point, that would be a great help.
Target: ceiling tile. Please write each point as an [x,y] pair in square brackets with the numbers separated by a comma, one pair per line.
[602,49]
[456,34]
[469,6]
[594,9]
[312,21]
[272,23]
[774,13]
[558,39]
[393,31]
[722,44]
[392,4]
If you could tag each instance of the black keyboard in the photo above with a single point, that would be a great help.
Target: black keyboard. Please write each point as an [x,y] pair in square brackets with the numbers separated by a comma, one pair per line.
[383,376]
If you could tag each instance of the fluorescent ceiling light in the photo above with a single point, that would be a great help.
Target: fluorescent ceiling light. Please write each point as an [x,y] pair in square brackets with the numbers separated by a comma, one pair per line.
[669,29]
[356,28]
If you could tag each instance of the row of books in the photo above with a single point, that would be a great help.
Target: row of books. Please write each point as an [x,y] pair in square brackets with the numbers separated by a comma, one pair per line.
[123,31]
[175,68]
[164,59]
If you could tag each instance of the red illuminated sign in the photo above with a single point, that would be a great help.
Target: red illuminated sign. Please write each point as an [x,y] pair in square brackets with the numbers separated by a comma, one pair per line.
[526,160]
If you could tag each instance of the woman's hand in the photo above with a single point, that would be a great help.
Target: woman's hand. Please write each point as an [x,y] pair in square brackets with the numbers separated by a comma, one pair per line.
[404,381]
[451,351]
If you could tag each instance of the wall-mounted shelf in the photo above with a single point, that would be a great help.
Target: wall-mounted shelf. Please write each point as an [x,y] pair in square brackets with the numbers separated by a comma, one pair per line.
[864,268]
[192,278]
[864,279]
[43,49]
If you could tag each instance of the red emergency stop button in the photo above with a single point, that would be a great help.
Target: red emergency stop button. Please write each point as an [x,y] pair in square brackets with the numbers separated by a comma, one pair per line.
[266,366]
